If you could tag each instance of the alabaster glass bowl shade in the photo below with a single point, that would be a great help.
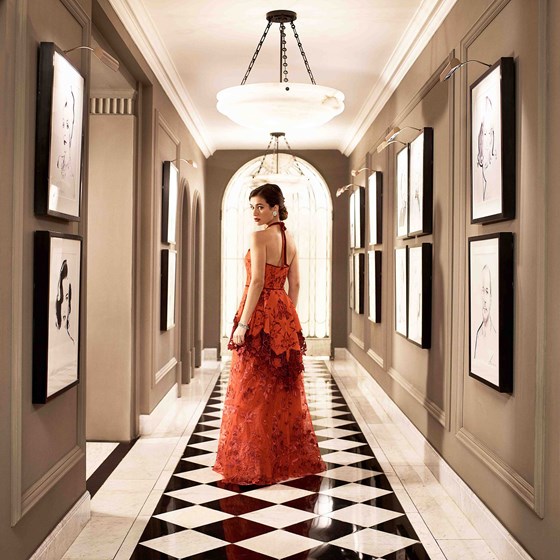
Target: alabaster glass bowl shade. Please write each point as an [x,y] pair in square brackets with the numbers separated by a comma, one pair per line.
[280,106]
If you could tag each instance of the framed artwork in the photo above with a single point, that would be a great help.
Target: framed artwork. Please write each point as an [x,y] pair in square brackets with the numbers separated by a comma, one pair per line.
[420,295]
[168,284]
[58,136]
[374,287]
[169,198]
[359,272]
[402,193]
[491,310]
[352,219]
[421,176]
[492,99]
[359,217]
[401,287]
[57,270]
[351,281]
[375,207]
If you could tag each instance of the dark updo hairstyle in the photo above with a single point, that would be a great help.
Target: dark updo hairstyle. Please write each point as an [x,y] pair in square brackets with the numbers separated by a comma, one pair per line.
[273,196]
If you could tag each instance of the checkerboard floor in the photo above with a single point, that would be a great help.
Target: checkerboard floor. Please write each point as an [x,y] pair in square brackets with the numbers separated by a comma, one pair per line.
[348,512]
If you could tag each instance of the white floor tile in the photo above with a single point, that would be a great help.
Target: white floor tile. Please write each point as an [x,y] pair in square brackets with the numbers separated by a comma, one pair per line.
[364,515]
[96,453]
[184,543]
[356,492]
[374,543]
[279,544]
[279,516]
[193,516]
[278,493]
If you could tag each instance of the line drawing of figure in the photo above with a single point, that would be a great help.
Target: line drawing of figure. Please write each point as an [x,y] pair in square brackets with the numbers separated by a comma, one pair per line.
[63,303]
[486,341]
[64,158]
[487,151]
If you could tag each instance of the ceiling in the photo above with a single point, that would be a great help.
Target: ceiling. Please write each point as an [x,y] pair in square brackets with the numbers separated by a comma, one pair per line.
[361,47]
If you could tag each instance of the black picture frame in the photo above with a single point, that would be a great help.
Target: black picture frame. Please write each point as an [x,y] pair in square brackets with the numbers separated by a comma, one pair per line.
[374,281]
[419,294]
[401,291]
[57,280]
[168,289]
[375,206]
[401,192]
[359,217]
[169,201]
[359,275]
[61,112]
[491,330]
[420,183]
[493,144]
[351,282]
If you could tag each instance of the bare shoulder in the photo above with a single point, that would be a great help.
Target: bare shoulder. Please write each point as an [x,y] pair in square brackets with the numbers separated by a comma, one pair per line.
[258,237]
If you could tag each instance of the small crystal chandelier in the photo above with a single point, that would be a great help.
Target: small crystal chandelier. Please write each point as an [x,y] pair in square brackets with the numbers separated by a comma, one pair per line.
[279,168]
[280,105]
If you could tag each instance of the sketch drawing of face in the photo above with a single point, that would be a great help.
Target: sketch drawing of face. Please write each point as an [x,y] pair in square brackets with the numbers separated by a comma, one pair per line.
[486,142]
[68,118]
[486,294]
[64,300]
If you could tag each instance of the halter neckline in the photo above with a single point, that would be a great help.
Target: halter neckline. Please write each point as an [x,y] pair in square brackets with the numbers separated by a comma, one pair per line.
[282,230]
[279,223]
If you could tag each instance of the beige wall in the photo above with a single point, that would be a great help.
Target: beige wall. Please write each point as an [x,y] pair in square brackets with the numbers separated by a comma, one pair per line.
[494,441]
[110,379]
[42,447]
[220,167]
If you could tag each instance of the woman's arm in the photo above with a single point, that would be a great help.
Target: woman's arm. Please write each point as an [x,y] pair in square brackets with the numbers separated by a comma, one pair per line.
[293,280]
[258,262]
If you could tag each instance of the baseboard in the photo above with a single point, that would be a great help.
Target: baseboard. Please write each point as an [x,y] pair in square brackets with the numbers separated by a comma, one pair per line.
[65,533]
[209,354]
[341,354]
[498,538]
[149,422]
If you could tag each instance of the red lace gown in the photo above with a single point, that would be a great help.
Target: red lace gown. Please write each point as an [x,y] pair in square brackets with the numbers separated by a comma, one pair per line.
[266,434]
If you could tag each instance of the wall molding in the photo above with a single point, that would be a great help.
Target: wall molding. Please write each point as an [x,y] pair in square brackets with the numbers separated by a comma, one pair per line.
[433,409]
[375,357]
[111,106]
[140,26]
[65,533]
[149,422]
[428,18]
[499,467]
[162,372]
[157,375]
[439,414]
[23,501]
[531,494]
[37,491]
[359,343]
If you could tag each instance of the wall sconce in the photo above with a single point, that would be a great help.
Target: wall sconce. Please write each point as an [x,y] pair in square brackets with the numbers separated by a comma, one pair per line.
[109,61]
[356,172]
[345,188]
[191,162]
[384,144]
[453,65]
[394,132]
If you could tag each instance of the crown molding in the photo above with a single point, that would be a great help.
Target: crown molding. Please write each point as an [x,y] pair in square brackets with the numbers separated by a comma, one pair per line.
[425,22]
[140,26]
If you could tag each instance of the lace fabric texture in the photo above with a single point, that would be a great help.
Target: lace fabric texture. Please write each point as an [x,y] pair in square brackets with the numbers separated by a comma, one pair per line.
[266,433]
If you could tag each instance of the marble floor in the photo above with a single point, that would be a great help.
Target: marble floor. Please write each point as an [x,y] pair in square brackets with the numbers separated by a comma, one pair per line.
[376,499]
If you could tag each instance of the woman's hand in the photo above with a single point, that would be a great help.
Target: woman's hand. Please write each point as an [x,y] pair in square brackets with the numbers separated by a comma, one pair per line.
[239,335]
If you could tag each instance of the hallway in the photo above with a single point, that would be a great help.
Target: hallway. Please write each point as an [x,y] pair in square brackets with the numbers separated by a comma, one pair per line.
[377,499]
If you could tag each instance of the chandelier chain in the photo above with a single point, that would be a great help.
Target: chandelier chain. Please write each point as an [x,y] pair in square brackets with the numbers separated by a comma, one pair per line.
[283,54]
[256,53]
[264,156]
[296,35]
[295,159]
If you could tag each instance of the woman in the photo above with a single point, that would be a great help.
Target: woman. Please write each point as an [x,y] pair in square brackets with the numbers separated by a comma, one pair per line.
[266,434]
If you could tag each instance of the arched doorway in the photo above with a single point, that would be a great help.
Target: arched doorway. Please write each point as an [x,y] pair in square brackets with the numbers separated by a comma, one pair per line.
[310,220]
[197,287]
[186,304]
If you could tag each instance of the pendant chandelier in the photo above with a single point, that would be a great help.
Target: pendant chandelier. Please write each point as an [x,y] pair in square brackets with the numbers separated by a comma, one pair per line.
[280,105]
[279,168]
